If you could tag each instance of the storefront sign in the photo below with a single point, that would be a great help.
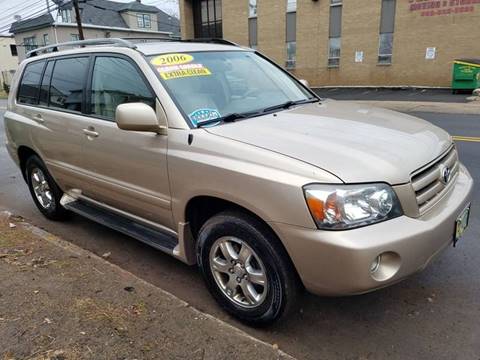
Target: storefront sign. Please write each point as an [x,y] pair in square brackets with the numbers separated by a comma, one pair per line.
[443,7]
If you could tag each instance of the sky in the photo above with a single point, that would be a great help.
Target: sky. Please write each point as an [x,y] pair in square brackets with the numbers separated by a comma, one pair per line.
[32,8]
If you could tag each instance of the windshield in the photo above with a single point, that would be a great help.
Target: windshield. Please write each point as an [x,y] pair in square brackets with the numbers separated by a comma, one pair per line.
[212,85]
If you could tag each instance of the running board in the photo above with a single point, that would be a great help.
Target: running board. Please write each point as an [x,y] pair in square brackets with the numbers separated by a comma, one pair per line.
[154,237]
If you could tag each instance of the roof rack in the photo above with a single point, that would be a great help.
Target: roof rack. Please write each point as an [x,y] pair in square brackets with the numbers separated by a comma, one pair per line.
[106,41]
[122,42]
[212,40]
[172,39]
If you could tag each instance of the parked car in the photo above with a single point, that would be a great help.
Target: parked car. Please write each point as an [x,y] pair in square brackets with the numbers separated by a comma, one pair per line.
[212,153]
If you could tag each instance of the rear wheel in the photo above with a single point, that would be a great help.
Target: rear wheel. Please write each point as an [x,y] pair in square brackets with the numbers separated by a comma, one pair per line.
[246,268]
[45,192]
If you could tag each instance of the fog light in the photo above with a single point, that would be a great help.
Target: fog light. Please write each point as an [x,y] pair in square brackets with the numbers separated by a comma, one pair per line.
[385,266]
[375,264]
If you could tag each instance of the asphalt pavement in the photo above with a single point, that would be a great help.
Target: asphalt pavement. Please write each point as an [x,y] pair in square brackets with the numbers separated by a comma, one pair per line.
[432,315]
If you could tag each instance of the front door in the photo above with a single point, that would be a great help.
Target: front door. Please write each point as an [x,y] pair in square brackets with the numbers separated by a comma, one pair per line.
[127,169]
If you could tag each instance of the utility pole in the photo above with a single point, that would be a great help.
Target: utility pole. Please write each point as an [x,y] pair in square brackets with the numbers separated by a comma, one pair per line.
[79,20]
[48,6]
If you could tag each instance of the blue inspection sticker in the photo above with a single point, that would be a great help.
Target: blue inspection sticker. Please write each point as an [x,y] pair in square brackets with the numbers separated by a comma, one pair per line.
[202,115]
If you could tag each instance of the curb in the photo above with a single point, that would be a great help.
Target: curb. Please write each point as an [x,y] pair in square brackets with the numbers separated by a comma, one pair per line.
[78,251]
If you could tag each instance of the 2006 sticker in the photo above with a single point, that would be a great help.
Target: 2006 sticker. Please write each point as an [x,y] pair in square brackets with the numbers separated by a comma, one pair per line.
[172,59]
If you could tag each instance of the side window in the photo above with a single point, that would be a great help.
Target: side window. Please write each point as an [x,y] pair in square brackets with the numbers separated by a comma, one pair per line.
[116,81]
[44,87]
[30,83]
[66,89]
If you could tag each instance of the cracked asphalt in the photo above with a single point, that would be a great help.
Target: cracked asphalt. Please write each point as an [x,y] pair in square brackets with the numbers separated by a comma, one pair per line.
[432,315]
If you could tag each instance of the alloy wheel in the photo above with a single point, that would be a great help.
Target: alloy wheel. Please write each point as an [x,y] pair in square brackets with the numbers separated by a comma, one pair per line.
[238,272]
[41,188]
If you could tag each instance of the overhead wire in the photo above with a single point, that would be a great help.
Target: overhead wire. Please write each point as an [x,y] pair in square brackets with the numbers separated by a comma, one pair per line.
[30,17]
[16,11]
[43,10]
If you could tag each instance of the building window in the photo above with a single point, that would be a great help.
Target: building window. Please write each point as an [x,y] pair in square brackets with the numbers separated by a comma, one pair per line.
[74,37]
[45,40]
[335,33]
[252,32]
[30,43]
[144,21]
[385,49]
[387,26]
[291,54]
[334,46]
[291,39]
[207,17]
[291,5]
[252,23]
[66,15]
[13,50]
[252,8]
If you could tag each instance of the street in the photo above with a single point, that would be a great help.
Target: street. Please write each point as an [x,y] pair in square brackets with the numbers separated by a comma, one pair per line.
[432,315]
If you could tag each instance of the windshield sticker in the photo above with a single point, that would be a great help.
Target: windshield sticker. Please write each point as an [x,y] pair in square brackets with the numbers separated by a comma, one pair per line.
[171,59]
[181,71]
[202,115]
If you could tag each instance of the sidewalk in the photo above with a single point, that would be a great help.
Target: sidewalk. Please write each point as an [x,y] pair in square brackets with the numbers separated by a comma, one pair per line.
[58,302]
[406,100]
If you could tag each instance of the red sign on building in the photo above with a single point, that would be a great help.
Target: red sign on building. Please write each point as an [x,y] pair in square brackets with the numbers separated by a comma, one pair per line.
[443,7]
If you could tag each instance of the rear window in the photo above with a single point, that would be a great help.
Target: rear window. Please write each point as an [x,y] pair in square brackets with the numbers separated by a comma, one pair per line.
[44,88]
[30,83]
[67,84]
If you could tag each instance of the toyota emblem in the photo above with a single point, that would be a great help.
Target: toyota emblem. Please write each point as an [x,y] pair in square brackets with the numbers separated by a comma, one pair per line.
[446,174]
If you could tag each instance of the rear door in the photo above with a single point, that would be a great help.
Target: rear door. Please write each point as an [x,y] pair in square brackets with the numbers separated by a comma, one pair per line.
[127,169]
[55,111]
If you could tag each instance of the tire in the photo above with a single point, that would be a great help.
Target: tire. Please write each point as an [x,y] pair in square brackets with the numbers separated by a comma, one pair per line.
[49,205]
[279,292]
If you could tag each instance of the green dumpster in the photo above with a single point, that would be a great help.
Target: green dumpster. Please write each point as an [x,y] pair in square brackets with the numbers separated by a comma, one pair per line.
[466,74]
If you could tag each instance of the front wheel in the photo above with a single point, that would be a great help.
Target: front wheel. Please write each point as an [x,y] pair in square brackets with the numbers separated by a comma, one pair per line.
[246,268]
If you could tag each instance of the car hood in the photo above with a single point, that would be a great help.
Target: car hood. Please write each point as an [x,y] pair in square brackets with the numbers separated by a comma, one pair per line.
[357,143]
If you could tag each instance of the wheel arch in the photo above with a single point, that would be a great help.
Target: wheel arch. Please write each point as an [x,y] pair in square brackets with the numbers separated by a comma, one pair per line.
[24,153]
[202,207]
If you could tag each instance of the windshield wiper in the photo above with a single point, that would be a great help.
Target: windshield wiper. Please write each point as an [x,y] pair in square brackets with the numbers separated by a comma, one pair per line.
[227,118]
[289,104]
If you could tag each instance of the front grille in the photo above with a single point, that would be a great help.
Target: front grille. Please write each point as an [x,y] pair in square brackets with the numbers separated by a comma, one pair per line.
[430,183]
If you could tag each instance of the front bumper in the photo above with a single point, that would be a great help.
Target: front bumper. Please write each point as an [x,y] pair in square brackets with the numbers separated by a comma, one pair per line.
[338,262]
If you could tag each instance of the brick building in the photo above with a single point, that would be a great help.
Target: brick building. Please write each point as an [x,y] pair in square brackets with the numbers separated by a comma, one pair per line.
[347,42]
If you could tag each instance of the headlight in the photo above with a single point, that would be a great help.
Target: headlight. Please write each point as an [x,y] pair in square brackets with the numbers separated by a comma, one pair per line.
[339,207]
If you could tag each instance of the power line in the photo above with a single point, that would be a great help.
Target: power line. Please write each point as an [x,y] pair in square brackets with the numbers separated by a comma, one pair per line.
[31,17]
[10,19]
[8,15]
[43,11]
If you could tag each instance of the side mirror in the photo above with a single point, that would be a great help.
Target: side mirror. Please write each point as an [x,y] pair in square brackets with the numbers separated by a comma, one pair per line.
[305,83]
[137,117]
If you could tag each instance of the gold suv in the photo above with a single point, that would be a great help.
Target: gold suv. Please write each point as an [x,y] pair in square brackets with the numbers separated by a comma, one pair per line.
[216,155]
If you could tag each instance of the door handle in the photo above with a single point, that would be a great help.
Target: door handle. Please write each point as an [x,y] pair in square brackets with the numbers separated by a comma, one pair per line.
[38,118]
[90,132]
